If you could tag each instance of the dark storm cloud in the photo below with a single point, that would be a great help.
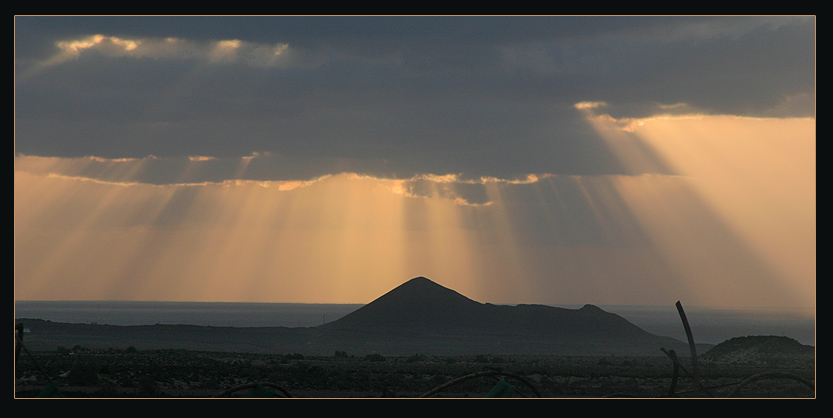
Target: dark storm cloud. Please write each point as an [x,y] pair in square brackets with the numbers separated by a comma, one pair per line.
[395,96]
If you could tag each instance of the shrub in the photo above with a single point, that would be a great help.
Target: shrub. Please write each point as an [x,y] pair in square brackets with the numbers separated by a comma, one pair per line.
[149,387]
[416,358]
[83,374]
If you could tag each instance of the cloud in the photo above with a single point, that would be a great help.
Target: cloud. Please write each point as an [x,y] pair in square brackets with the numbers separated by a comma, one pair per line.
[392,97]
[617,160]
[231,51]
[736,230]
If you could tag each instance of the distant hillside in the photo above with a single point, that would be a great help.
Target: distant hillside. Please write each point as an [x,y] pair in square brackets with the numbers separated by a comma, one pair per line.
[420,306]
[760,349]
[419,316]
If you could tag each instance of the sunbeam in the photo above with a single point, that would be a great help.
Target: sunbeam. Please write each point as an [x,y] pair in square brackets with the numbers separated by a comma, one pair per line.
[611,160]
[738,218]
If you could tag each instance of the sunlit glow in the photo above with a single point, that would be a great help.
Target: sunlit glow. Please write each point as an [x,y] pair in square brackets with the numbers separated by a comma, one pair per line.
[331,239]
[201,158]
[738,222]
[225,50]
[712,210]
[81,44]
[218,52]
[720,211]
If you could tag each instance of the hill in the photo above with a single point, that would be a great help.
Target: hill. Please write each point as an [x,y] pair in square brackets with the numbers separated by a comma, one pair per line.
[429,315]
[419,316]
[420,306]
[761,349]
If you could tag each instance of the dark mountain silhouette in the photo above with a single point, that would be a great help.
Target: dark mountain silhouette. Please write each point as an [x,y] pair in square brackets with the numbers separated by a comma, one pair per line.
[416,305]
[422,307]
[417,317]
[770,349]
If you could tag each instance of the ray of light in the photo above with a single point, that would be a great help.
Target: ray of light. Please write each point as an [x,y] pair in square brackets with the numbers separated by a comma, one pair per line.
[500,248]
[447,243]
[334,239]
[56,216]
[653,239]
[738,223]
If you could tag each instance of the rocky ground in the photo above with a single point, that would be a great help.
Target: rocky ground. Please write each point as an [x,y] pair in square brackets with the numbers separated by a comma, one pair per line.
[79,372]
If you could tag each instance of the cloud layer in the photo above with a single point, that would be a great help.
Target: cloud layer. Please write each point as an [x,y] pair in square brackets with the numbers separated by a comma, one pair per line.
[391,96]
[607,160]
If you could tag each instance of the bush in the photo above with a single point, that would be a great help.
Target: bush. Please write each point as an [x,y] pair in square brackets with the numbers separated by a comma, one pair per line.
[83,374]
[416,358]
[149,387]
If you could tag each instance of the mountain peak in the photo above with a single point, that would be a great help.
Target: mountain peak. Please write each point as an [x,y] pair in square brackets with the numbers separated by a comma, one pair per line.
[417,302]
[419,284]
[422,291]
[421,307]
[419,281]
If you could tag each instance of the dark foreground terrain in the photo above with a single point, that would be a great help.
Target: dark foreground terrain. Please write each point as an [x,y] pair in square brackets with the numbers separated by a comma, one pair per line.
[131,373]
[418,340]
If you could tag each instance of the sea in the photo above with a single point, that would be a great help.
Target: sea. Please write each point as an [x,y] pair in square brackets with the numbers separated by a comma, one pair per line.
[708,325]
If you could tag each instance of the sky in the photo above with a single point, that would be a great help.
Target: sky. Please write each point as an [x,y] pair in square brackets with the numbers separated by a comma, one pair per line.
[559,160]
